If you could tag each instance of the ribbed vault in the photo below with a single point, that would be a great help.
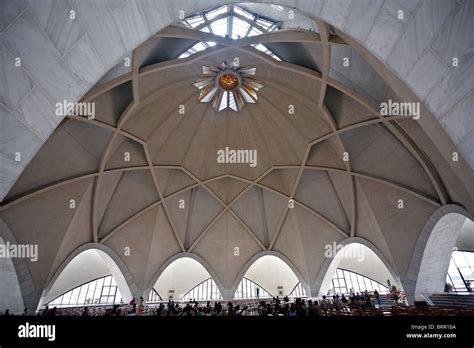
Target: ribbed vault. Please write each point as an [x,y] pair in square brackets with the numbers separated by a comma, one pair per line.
[171,196]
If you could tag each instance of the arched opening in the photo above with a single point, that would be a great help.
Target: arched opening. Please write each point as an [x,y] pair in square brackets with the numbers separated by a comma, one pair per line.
[442,235]
[91,277]
[185,279]
[269,276]
[10,292]
[359,268]
[460,277]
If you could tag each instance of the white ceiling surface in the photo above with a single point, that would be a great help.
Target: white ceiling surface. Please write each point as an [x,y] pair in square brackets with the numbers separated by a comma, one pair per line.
[88,265]
[465,241]
[271,272]
[61,59]
[358,258]
[10,292]
[369,264]
[180,276]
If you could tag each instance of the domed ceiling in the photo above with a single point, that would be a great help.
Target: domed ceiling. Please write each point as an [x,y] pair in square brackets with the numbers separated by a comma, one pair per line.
[144,173]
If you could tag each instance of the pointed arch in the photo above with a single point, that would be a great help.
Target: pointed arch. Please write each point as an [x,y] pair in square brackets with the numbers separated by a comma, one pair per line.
[176,257]
[330,265]
[258,256]
[111,261]
[430,259]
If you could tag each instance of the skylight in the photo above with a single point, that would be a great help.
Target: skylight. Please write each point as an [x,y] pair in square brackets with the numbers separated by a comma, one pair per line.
[229,21]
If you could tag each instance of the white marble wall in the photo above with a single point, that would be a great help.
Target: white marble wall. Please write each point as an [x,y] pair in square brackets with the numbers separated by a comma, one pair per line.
[10,293]
[63,58]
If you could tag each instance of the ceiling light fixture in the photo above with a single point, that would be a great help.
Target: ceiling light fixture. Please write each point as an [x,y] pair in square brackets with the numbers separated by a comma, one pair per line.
[228,86]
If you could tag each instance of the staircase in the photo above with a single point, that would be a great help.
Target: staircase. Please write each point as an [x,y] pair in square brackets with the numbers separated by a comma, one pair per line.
[452,300]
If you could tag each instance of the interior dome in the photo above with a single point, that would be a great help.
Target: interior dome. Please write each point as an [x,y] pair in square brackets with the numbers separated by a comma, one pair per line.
[308,160]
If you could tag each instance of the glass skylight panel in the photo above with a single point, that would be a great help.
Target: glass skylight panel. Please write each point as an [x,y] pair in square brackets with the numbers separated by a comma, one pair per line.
[219,27]
[223,103]
[195,21]
[262,48]
[200,46]
[214,13]
[232,103]
[264,23]
[239,28]
[255,32]
[244,13]
[247,97]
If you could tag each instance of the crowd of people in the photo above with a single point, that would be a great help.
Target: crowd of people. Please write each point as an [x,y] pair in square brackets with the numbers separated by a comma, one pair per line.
[275,306]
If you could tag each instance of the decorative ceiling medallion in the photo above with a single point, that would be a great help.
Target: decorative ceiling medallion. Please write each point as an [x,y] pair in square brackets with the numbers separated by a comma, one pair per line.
[228,86]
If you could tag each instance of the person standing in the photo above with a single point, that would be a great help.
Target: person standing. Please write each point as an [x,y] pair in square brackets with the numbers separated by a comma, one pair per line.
[377,298]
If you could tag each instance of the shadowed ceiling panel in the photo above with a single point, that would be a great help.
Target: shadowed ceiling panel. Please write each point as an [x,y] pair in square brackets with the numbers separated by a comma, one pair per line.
[179,207]
[110,105]
[317,192]
[47,215]
[249,209]
[227,188]
[370,149]
[345,110]
[383,201]
[274,205]
[66,154]
[313,231]
[162,107]
[307,55]
[125,153]
[135,192]
[108,184]
[282,180]
[160,49]
[137,236]
[162,246]
[172,180]
[205,208]
[326,154]
[217,248]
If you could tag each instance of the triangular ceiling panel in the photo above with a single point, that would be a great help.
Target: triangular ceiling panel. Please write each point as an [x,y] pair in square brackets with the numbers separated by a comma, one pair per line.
[111,105]
[221,240]
[179,206]
[125,152]
[49,217]
[64,155]
[275,206]
[205,208]
[290,243]
[327,153]
[173,180]
[135,192]
[162,246]
[316,191]
[281,180]
[372,143]
[344,109]
[106,188]
[227,188]
[137,236]
[249,209]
